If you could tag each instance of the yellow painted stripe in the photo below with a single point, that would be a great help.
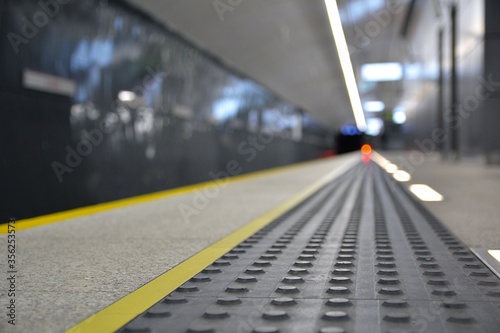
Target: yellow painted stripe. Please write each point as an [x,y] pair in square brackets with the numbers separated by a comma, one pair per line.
[83,211]
[124,310]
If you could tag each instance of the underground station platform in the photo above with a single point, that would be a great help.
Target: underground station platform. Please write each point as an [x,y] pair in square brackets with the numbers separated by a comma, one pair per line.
[335,245]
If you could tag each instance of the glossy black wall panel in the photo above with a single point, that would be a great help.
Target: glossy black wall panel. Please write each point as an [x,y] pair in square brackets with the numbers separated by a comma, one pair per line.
[146,111]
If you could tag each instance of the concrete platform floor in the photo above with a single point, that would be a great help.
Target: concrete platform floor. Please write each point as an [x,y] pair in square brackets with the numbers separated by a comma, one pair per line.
[471,190]
[69,270]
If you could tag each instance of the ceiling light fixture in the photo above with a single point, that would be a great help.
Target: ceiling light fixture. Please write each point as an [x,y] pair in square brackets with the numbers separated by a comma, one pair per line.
[345,63]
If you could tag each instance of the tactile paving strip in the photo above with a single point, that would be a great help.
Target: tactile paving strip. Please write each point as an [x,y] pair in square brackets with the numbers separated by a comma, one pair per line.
[360,255]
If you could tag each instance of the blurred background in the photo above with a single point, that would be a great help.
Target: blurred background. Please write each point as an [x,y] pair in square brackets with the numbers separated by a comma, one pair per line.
[102,100]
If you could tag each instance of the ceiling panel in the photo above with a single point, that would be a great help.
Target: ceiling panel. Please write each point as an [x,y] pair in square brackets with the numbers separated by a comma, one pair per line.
[286,45]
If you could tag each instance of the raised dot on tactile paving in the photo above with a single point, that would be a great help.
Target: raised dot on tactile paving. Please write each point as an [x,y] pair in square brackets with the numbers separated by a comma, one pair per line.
[332,330]
[237,251]
[345,257]
[275,315]
[216,314]
[236,289]
[433,273]
[438,282]
[211,270]
[266,329]
[201,329]
[302,263]
[335,315]
[287,290]
[157,313]
[262,263]
[338,290]
[221,263]
[493,293]
[175,300]
[186,288]
[460,319]
[343,263]
[298,271]
[200,279]
[310,251]
[274,251]
[480,274]
[454,305]
[388,281]
[306,257]
[467,259]
[426,259]
[283,301]
[389,272]
[429,265]
[385,258]
[341,280]
[397,317]
[292,279]
[246,279]
[268,257]
[487,283]
[230,257]
[443,292]
[395,303]
[228,301]
[384,252]
[338,302]
[254,270]
[390,291]
[342,271]
[386,264]
[136,328]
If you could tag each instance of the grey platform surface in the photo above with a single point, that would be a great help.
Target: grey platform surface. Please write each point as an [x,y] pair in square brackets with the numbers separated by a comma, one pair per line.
[471,208]
[70,270]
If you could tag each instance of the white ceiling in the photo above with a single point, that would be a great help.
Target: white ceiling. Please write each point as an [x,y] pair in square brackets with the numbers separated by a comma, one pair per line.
[286,45]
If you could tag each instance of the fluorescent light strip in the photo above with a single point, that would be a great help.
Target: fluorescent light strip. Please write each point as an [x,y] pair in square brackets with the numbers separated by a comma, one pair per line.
[345,62]
[425,192]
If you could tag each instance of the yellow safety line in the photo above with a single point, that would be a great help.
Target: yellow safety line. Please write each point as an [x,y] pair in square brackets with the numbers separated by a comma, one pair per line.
[124,310]
[77,212]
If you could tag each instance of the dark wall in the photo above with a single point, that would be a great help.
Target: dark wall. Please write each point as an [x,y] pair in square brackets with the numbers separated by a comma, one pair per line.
[189,114]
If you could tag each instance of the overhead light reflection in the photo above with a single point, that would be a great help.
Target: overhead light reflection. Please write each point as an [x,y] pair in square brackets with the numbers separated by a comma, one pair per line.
[374,106]
[495,254]
[345,62]
[425,192]
[126,96]
[402,176]
[391,168]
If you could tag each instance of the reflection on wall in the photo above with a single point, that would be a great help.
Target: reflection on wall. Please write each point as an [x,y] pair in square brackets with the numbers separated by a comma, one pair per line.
[132,108]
